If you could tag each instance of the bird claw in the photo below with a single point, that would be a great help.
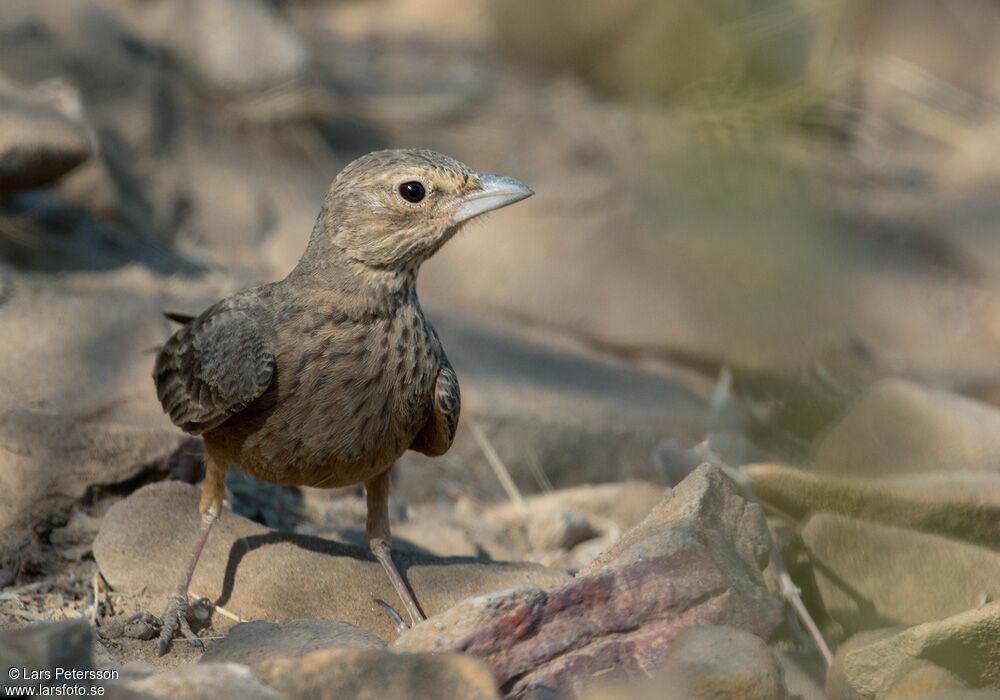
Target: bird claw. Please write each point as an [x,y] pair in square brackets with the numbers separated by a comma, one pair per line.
[175,619]
[401,625]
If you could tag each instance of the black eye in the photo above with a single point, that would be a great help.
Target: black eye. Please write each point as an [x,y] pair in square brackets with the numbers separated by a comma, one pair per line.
[412,191]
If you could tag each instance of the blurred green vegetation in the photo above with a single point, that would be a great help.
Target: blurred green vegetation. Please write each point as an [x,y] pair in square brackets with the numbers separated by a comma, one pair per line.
[733,110]
[739,121]
[672,51]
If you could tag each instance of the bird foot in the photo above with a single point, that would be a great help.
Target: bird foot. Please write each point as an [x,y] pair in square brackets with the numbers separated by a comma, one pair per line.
[175,618]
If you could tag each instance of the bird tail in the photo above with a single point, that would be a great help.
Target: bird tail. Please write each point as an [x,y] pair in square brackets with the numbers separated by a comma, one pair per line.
[180,318]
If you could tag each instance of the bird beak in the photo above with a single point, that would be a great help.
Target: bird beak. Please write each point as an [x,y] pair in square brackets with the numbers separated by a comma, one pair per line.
[493,192]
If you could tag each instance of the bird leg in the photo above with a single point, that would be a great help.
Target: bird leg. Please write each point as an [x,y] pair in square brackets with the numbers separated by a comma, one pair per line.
[377,527]
[175,616]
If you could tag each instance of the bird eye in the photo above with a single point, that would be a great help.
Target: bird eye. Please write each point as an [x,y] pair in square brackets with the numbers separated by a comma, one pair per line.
[412,191]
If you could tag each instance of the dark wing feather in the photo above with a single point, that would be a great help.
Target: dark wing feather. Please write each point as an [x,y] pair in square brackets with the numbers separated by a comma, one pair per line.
[177,317]
[217,364]
[438,433]
[448,399]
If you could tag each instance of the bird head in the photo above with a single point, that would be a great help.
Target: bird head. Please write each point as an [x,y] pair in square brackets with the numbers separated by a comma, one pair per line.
[396,208]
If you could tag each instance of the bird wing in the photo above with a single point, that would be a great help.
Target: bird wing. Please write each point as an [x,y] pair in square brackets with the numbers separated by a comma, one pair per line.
[217,364]
[438,433]
[448,399]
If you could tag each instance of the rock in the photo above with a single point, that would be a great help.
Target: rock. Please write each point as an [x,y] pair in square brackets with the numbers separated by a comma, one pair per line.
[549,406]
[898,427]
[559,529]
[619,506]
[706,512]
[838,686]
[261,574]
[983,694]
[441,539]
[964,644]
[580,556]
[963,505]
[76,454]
[920,677]
[703,662]
[249,643]
[723,662]
[600,511]
[102,657]
[803,676]
[872,576]
[379,675]
[53,235]
[78,408]
[455,525]
[39,143]
[45,647]
[206,682]
[240,214]
[234,46]
[74,539]
[696,559]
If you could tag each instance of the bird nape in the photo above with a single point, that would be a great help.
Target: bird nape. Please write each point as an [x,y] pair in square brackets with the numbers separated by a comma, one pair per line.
[326,377]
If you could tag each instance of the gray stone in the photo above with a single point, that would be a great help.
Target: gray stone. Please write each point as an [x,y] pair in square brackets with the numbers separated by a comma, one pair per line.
[803,679]
[331,674]
[964,505]
[919,677]
[873,576]
[899,427]
[249,643]
[73,540]
[607,510]
[78,408]
[437,536]
[206,682]
[705,511]
[42,648]
[558,529]
[233,46]
[39,143]
[621,505]
[968,694]
[723,662]
[964,644]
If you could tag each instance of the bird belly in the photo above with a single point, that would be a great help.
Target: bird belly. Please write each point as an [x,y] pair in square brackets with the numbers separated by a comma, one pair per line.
[317,447]
[336,420]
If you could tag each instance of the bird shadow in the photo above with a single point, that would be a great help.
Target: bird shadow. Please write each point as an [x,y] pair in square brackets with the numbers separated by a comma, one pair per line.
[866,615]
[404,559]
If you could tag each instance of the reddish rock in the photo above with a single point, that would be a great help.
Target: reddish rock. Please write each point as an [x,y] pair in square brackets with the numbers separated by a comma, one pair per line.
[686,564]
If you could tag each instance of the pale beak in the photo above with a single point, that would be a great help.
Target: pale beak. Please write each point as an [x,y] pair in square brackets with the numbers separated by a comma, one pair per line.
[493,192]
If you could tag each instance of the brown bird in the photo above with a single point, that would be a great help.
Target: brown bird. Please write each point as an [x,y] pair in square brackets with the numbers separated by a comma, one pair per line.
[326,377]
